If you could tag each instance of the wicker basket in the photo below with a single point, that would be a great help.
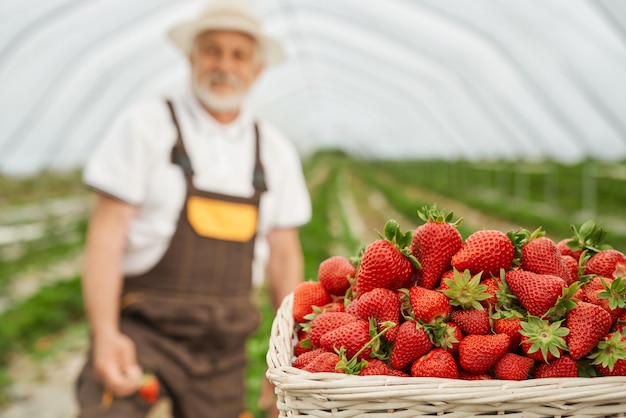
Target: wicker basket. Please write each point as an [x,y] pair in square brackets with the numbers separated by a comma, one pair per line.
[304,394]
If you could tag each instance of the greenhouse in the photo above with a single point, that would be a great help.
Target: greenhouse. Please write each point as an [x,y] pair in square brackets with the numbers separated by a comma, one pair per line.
[510,113]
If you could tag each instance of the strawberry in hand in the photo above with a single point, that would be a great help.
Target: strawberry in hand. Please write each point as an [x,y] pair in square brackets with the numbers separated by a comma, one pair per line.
[149,389]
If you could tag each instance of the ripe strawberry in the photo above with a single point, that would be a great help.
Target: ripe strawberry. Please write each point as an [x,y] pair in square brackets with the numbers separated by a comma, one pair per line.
[398,373]
[564,366]
[536,292]
[610,358]
[305,296]
[620,323]
[510,326]
[304,344]
[479,353]
[324,362]
[325,322]
[434,243]
[493,286]
[572,267]
[386,262]
[382,305]
[607,293]
[352,336]
[428,306]
[607,263]
[472,321]
[436,363]
[540,255]
[513,366]
[443,284]
[564,249]
[351,307]
[335,306]
[463,375]
[335,273]
[485,250]
[375,367]
[303,359]
[411,343]
[588,324]
[149,389]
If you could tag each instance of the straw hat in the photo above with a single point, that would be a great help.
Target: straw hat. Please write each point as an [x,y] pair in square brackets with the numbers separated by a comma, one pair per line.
[227,15]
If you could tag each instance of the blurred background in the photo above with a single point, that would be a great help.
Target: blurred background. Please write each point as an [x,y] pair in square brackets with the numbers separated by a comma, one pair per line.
[511,113]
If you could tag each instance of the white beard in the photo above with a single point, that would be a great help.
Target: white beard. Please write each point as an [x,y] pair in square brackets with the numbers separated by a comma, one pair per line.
[218,102]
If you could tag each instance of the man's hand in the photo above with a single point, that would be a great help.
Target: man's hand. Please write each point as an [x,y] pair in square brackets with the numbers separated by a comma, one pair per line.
[115,363]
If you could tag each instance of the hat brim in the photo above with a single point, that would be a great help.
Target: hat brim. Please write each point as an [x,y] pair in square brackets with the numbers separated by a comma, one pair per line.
[184,35]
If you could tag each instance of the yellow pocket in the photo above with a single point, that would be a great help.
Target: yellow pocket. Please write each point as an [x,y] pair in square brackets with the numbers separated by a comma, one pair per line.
[223,220]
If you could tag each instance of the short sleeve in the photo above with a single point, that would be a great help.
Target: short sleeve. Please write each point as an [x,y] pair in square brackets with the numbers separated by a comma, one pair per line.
[120,164]
[292,200]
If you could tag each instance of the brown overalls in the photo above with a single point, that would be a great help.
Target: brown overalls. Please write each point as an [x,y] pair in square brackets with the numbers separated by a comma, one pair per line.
[191,314]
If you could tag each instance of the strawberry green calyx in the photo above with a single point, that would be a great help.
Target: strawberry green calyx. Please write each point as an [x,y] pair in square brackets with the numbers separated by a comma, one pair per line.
[615,293]
[565,303]
[441,335]
[588,236]
[352,366]
[537,233]
[432,214]
[316,311]
[465,290]
[521,237]
[405,304]
[544,336]
[518,239]
[402,240]
[498,313]
[505,299]
[609,351]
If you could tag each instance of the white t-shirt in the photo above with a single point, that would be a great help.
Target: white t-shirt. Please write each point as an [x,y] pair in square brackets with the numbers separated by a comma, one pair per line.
[132,163]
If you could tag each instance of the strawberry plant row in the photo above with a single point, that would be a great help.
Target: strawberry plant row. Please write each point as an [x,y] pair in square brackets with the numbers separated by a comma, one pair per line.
[590,187]
[525,213]
[57,244]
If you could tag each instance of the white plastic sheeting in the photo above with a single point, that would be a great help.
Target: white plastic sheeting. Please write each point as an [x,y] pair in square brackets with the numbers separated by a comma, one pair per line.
[472,79]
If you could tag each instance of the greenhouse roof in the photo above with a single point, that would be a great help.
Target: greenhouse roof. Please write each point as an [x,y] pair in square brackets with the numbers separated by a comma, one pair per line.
[444,79]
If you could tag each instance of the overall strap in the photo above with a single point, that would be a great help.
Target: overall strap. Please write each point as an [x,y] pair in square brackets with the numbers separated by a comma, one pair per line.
[258,177]
[179,155]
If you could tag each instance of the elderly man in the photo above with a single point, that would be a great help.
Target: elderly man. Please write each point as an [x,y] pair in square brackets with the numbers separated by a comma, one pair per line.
[195,202]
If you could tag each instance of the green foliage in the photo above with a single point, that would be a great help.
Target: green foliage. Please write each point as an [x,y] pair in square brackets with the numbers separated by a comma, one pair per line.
[56,244]
[544,193]
[20,190]
[50,310]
